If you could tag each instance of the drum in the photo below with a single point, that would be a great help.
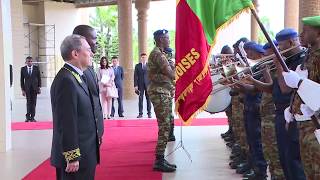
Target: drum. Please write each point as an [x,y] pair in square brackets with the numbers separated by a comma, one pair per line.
[220,99]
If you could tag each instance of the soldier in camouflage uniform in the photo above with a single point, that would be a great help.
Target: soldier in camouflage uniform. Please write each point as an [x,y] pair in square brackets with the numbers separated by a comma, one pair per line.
[268,129]
[161,89]
[169,56]
[300,110]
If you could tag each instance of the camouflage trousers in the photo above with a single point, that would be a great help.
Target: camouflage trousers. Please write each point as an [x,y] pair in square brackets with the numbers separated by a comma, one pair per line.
[238,126]
[236,117]
[171,119]
[269,145]
[229,115]
[162,105]
[309,150]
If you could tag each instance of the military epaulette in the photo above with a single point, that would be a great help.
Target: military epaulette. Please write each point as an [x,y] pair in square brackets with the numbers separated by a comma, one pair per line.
[72,155]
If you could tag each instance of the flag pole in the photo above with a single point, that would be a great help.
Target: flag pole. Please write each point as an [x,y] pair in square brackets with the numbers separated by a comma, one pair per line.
[273,46]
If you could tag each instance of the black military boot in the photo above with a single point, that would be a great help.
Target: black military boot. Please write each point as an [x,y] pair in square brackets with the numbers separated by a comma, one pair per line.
[161,165]
[171,165]
[228,133]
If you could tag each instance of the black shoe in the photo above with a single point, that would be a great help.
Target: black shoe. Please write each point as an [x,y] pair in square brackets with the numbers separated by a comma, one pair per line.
[111,115]
[33,120]
[228,139]
[121,115]
[230,144]
[249,174]
[27,120]
[171,165]
[149,116]
[172,138]
[139,116]
[242,168]
[160,165]
[223,135]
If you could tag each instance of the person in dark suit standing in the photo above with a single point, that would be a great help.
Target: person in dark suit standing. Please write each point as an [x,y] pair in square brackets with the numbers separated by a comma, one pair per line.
[30,85]
[118,79]
[75,147]
[141,83]
[92,80]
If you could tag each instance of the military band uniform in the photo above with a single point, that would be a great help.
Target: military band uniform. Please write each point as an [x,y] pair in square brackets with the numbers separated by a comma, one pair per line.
[309,146]
[268,137]
[287,140]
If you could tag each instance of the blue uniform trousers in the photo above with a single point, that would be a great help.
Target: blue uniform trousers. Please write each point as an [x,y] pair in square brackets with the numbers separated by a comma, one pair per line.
[253,130]
[289,150]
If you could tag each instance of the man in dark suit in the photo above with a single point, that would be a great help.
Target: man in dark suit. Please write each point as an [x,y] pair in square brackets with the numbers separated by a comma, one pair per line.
[75,147]
[141,83]
[118,80]
[30,85]
[92,81]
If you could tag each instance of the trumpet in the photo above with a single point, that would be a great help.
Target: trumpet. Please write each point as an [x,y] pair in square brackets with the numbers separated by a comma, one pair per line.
[236,71]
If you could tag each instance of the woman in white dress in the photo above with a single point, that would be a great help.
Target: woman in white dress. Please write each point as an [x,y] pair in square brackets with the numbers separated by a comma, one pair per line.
[106,85]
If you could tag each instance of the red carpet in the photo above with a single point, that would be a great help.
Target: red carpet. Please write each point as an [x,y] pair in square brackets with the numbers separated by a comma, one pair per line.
[126,154]
[42,125]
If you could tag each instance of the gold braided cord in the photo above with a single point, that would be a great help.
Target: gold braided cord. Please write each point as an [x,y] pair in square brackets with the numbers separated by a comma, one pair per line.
[72,155]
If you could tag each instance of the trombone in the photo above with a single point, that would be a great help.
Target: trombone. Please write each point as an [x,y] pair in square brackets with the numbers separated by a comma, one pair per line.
[236,71]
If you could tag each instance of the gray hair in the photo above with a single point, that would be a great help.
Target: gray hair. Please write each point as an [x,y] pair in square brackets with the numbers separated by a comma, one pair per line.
[70,43]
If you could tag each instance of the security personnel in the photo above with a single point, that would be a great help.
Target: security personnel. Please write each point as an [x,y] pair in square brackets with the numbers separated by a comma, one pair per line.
[267,111]
[169,54]
[161,88]
[288,142]
[302,110]
[252,100]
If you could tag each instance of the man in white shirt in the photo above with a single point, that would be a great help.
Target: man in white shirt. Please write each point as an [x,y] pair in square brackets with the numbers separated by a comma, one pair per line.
[141,83]
[30,82]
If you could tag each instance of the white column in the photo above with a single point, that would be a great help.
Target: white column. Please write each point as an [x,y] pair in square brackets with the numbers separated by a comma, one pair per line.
[254,24]
[142,6]
[17,43]
[5,61]
[291,14]
[125,46]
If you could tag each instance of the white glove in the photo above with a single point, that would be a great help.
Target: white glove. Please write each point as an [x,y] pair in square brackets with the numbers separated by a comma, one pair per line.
[302,73]
[306,111]
[291,78]
[287,115]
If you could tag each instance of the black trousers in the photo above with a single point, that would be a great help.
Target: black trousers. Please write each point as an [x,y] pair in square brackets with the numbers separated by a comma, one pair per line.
[143,91]
[82,174]
[31,96]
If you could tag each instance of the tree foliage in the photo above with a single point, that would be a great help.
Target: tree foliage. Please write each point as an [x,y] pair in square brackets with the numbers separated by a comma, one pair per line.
[105,20]
[266,22]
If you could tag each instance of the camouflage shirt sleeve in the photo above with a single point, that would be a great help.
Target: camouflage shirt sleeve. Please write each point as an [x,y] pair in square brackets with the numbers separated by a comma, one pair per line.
[165,67]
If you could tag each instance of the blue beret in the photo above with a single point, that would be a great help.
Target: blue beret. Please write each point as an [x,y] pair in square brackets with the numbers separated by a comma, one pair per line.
[159,32]
[243,39]
[254,46]
[286,34]
[268,45]
[168,50]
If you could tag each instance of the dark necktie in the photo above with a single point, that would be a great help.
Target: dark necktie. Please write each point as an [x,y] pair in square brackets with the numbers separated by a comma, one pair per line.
[84,79]
[29,71]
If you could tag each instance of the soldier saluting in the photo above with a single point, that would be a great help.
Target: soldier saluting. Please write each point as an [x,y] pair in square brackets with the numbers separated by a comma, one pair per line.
[160,90]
